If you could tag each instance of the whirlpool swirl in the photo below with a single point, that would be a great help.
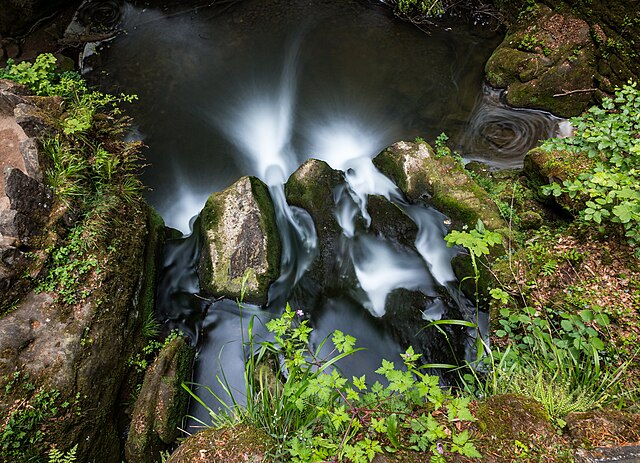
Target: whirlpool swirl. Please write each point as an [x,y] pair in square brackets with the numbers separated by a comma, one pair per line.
[500,135]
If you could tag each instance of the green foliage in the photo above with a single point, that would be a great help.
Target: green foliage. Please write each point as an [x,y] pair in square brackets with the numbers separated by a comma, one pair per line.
[69,265]
[21,436]
[57,456]
[610,191]
[420,7]
[477,242]
[315,413]
[42,78]
[141,361]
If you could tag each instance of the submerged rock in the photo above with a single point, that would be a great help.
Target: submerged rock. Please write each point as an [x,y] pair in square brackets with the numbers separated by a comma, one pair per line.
[241,252]
[161,405]
[440,181]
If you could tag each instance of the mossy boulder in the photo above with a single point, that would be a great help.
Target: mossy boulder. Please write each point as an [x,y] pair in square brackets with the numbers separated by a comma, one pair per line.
[161,405]
[440,181]
[546,61]
[235,444]
[544,167]
[241,243]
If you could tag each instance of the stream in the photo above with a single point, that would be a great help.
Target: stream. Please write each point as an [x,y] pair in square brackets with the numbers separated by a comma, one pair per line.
[256,87]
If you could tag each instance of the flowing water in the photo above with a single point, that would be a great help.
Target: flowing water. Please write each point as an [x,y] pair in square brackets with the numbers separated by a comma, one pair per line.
[258,86]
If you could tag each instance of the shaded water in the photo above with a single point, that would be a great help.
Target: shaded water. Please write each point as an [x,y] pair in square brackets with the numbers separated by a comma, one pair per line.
[256,87]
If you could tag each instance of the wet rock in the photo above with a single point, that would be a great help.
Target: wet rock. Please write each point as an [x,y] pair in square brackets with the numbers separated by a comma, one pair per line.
[390,221]
[546,61]
[240,238]
[439,181]
[312,187]
[237,444]
[161,404]
[624,454]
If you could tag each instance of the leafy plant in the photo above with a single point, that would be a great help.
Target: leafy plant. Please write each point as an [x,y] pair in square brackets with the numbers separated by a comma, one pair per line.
[420,7]
[70,264]
[57,456]
[315,413]
[477,242]
[610,191]
[20,436]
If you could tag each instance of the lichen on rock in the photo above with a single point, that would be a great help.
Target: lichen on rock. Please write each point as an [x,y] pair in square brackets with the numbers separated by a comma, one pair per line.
[440,181]
[241,253]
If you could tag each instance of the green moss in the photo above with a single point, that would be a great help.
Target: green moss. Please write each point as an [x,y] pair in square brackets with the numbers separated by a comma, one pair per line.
[269,228]
[510,416]
[226,444]
[152,254]
[386,163]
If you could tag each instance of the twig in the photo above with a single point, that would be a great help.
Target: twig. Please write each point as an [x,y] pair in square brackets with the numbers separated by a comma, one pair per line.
[571,92]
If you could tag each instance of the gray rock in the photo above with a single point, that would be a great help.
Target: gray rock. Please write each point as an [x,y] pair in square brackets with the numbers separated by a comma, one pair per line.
[10,96]
[240,238]
[29,151]
[31,200]
[29,118]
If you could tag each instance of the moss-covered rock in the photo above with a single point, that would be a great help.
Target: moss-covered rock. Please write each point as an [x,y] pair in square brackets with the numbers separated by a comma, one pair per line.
[241,242]
[516,428]
[544,167]
[161,404]
[235,444]
[76,354]
[510,416]
[546,61]
[439,181]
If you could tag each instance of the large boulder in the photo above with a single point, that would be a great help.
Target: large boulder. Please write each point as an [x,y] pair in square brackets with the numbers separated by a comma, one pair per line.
[161,404]
[440,181]
[561,56]
[241,251]
[68,361]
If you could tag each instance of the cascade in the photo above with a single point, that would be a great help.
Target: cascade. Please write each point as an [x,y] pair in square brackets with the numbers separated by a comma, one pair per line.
[229,93]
